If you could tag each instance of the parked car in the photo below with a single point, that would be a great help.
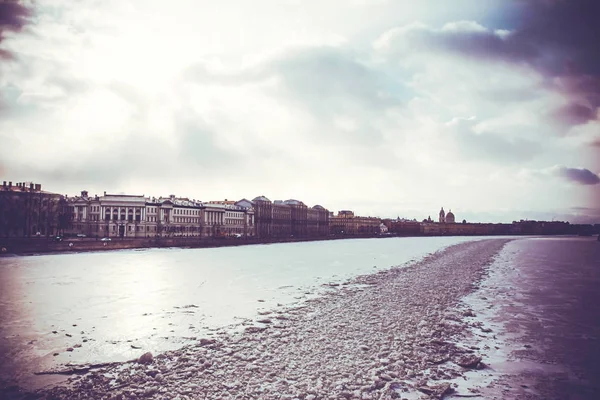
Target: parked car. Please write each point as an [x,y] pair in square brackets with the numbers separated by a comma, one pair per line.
[105,239]
[81,235]
[57,238]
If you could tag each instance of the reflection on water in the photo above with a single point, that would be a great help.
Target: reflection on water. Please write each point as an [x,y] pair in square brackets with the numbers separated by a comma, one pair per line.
[119,304]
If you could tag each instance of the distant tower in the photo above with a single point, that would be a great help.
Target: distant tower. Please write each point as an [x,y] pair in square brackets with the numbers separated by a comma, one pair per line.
[442,216]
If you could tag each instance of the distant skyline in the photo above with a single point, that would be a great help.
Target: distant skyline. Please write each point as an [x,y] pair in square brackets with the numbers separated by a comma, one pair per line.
[389,108]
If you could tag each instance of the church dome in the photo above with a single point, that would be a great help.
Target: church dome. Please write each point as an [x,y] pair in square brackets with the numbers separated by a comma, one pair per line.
[450,217]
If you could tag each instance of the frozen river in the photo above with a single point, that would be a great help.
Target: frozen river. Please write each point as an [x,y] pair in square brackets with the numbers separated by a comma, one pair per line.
[117,305]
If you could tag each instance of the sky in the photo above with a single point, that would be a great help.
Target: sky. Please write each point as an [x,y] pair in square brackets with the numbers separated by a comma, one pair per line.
[385,107]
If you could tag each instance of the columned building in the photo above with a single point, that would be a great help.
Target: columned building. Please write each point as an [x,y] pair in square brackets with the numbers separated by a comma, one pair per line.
[137,216]
[238,220]
[214,220]
[123,215]
[185,216]
[134,216]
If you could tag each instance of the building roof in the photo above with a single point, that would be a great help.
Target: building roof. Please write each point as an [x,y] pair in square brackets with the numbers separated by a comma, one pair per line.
[293,202]
[244,203]
[261,198]
[123,198]
[318,207]
[230,202]
[186,203]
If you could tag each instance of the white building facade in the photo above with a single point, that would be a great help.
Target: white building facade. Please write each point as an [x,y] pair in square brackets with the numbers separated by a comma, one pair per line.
[137,216]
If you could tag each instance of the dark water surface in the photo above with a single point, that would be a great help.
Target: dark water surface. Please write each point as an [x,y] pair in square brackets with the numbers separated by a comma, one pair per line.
[559,313]
[542,302]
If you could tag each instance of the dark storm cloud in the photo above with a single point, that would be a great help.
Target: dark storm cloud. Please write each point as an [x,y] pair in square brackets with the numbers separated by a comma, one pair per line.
[574,114]
[566,33]
[559,38]
[13,17]
[582,176]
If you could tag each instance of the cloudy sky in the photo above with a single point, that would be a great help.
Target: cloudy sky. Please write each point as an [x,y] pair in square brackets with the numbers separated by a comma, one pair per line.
[386,107]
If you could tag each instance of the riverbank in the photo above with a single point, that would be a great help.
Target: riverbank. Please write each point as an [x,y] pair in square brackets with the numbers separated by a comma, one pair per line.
[394,334]
[32,246]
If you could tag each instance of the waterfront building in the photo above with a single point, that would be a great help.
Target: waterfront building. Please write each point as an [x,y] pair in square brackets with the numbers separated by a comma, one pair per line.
[290,218]
[238,217]
[263,214]
[28,211]
[122,215]
[346,223]
[403,227]
[298,217]
[85,214]
[281,223]
[182,217]
[317,221]
[214,220]
[133,216]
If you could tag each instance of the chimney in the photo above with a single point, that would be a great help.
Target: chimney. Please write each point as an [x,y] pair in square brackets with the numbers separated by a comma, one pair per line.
[31,187]
[4,184]
[38,187]
[10,184]
[105,192]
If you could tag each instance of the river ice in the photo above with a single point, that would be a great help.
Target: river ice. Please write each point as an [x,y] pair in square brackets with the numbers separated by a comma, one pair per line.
[118,304]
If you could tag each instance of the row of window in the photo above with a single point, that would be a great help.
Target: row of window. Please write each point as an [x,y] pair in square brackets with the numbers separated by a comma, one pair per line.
[129,218]
[121,210]
[186,212]
[188,220]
